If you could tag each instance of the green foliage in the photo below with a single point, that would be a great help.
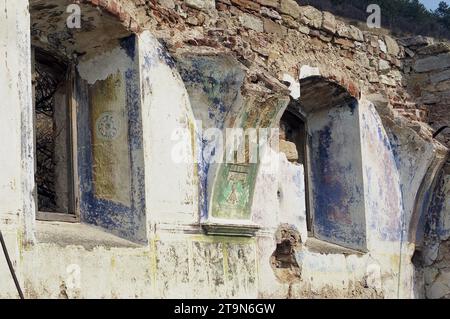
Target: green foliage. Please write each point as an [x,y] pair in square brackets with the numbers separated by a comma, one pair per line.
[443,14]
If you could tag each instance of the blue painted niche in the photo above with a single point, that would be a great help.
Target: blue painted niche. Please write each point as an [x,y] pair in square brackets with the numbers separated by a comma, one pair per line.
[126,221]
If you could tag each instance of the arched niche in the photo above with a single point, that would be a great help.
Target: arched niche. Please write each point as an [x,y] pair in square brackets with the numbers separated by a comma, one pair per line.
[96,106]
[333,161]
[225,96]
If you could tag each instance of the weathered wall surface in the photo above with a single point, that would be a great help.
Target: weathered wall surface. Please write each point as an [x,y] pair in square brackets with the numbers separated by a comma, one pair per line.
[111,161]
[434,275]
[66,264]
[169,129]
[265,36]
[16,159]
[234,63]
[336,176]
[213,85]
[429,81]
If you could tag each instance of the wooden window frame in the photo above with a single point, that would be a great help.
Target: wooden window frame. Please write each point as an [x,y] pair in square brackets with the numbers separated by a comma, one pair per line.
[73,216]
[306,150]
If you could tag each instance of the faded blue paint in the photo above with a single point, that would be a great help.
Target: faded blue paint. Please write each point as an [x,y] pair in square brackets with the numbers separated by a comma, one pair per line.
[353,105]
[129,45]
[434,222]
[299,181]
[164,56]
[383,197]
[218,81]
[395,146]
[414,157]
[152,58]
[221,87]
[203,169]
[124,221]
[337,181]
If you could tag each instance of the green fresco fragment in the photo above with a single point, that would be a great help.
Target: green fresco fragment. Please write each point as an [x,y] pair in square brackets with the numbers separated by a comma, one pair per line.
[233,195]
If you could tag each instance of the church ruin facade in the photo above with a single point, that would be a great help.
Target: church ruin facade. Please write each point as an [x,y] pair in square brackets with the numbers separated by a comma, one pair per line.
[113,183]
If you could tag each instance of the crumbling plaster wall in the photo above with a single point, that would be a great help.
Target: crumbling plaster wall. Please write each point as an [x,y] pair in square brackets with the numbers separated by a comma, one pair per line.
[170,131]
[265,37]
[270,38]
[109,135]
[433,273]
[389,252]
[429,81]
[173,265]
[429,66]
[336,175]
[16,160]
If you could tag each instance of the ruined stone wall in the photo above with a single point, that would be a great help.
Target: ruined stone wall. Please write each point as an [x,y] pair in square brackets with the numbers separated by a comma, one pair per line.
[428,76]
[428,67]
[258,51]
[280,43]
[279,36]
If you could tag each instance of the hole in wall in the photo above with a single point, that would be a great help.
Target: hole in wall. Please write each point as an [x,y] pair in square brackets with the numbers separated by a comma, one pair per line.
[283,260]
[279,194]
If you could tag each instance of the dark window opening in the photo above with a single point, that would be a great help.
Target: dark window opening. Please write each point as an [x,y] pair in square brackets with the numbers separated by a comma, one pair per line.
[293,129]
[53,133]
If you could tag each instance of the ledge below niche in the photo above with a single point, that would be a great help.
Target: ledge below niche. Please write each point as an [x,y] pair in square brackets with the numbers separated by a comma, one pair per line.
[236,229]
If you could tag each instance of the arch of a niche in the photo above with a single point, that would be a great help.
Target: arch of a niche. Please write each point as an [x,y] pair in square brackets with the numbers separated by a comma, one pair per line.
[101,53]
[334,167]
